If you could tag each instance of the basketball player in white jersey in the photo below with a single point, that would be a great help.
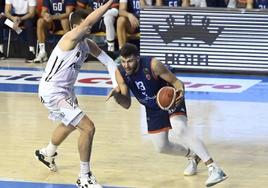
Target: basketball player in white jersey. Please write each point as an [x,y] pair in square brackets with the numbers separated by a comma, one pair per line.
[56,91]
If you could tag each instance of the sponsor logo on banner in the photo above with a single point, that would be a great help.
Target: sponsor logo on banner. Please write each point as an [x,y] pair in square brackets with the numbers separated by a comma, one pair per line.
[102,80]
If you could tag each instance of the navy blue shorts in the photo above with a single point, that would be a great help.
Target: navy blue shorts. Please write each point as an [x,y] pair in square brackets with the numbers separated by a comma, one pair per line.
[158,120]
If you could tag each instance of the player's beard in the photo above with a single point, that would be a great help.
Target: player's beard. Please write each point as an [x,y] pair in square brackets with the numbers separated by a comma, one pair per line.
[134,69]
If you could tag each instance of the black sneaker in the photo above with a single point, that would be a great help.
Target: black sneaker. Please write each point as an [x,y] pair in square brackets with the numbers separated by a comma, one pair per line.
[30,57]
[2,56]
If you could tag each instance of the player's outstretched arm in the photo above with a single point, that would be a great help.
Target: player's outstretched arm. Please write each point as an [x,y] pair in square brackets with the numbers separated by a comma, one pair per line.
[121,92]
[71,38]
[104,59]
[92,18]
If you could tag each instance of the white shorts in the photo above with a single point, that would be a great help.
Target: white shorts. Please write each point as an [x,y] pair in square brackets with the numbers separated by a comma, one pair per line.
[63,109]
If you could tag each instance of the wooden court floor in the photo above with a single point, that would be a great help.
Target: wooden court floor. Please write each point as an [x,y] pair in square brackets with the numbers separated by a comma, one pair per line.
[236,134]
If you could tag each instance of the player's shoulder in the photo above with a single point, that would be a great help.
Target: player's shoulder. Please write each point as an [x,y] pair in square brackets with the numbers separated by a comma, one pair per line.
[155,62]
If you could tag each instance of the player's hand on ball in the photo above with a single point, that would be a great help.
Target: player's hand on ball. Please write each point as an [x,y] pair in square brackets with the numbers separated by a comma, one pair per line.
[179,96]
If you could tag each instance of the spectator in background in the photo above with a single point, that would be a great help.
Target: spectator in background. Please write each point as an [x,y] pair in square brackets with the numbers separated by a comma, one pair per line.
[128,20]
[2,19]
[241,3]
[54,17]
[257,4]
[198,3]
[107,23]
[22,13]
[236,3]
[173,3]
[217,3]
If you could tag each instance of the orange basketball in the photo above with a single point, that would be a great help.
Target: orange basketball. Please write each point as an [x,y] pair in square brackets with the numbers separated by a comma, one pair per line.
[166,97]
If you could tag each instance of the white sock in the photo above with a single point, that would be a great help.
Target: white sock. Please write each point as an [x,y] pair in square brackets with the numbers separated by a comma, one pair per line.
[1,48]
[42,48]
[50,149]
[110,64]
[84,169]
[31,49]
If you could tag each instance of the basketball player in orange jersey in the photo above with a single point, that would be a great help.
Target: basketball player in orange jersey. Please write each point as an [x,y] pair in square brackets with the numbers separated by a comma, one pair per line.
[56,91]
[145,76]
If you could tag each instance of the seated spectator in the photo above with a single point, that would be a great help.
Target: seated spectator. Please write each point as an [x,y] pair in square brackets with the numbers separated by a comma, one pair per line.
[2,20]
[128,20]
[257,4]
[232,4]
[54,17]
[22,13]
[173,3]
[241,3]
[107,23]
[217,3]
[198,3]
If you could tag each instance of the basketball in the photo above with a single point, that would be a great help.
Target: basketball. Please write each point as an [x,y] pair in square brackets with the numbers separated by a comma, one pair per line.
[166,97]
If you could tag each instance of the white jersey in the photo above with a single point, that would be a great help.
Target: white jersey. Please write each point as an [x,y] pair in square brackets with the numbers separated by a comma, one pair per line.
[62,70]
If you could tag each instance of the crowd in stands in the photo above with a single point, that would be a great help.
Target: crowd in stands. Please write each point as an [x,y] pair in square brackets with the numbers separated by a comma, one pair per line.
[40,17]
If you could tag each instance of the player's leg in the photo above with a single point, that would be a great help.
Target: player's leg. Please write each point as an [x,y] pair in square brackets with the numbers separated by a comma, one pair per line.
[158,128]
[66,111]
[104,59]
[72,117]
[87,130]
[47,155]
[163,145]
[109,22]
[187,136]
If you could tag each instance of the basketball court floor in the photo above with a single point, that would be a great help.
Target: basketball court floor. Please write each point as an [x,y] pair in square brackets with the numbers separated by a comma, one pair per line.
[229,112]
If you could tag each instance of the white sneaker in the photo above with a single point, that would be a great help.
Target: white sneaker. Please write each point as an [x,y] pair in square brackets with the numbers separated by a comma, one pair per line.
[41,57]
[88,182]
[216,175]
[48,161]
[191,168]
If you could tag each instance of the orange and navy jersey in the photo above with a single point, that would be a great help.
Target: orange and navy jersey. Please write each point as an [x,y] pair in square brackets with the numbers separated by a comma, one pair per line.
[94,4]
[58,6]
[144,84]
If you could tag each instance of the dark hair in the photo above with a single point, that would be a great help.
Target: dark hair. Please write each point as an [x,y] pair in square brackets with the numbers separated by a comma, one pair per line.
[77,16]
[128,50]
